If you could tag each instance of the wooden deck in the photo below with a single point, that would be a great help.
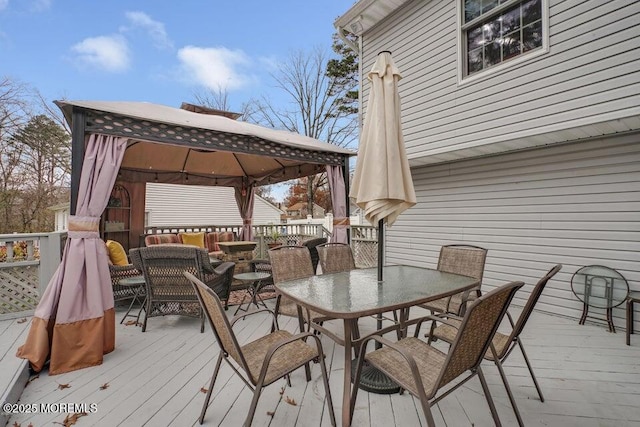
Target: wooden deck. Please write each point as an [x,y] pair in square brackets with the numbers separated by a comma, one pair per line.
[589,378]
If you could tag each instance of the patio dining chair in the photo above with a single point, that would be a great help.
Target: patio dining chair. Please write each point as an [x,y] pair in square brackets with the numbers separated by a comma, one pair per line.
[423,370]
[312,245]
[335,257]
[504,344]
[467,260]
[290,263]
[264,360]
[168,291]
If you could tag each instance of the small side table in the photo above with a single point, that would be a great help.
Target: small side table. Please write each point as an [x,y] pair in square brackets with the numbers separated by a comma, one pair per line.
[139,284]
[602,287]
[254,281]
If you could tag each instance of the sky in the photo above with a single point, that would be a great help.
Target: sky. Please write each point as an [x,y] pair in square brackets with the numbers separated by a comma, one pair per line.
[158,51]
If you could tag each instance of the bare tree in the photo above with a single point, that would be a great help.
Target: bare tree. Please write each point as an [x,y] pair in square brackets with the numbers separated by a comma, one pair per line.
[315,107]
[45,166]
[14,106]
[34,158]
[219,99]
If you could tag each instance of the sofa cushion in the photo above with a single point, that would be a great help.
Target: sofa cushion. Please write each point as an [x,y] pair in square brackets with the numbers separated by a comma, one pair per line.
[218,236]
[158,239]
[117,254]
[195,239]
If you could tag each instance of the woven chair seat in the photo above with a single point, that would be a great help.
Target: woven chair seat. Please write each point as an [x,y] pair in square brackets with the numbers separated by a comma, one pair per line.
[285,359]
[429,360]
[448,333]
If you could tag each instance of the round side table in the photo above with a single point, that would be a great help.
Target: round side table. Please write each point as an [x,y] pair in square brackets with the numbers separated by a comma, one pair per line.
[254,281]
[601,287]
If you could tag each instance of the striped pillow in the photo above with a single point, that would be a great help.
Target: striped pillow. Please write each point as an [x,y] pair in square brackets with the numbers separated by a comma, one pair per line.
[159,239]
[218,236]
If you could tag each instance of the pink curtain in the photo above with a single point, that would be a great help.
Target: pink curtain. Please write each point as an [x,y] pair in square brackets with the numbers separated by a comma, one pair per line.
[339,202]
[245,197]
[74,323]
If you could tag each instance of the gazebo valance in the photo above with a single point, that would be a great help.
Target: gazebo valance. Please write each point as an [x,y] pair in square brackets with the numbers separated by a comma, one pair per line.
[178,146]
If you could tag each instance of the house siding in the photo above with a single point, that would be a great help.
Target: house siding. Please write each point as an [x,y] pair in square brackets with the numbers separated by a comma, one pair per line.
[591,74]
[170,204]
[576,204]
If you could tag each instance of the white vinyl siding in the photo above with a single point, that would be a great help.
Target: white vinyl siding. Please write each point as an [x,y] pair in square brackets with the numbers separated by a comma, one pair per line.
[575,204]
[591,74]
[170,204]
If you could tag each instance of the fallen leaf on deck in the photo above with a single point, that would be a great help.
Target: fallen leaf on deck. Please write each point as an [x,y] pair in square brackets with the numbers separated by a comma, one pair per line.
[15,424]
[130,322]
[63,386]
[203,390]
[30,425]
[104,386]
[72,419]
[290,401]
[22,320]
[282,391]
[271,414]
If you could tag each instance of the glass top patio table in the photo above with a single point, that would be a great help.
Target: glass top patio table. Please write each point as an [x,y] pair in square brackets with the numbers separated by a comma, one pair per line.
[353,294]
[357,293]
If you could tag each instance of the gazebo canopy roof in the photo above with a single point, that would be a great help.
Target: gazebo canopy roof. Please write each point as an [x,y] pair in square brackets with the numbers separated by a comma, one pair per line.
[178,146]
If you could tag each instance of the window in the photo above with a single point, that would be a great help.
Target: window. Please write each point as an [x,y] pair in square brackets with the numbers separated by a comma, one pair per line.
[496,31]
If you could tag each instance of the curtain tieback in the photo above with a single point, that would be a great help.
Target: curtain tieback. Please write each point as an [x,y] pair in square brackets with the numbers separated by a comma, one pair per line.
[84,227]
[341,222]
[247,221]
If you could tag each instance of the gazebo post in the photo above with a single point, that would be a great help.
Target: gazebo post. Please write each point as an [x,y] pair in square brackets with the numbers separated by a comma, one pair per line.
[345,174]
[77,154]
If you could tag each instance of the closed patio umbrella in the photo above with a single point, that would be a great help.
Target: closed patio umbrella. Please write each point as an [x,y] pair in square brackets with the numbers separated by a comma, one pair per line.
[382,184]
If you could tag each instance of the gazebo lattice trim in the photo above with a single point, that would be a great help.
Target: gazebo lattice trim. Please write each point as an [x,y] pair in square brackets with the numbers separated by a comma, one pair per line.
[128,127]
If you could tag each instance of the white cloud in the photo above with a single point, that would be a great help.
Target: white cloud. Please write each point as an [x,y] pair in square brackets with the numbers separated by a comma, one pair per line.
[154,29]
[4,4]
[40,5]
[215,67]
[108,53]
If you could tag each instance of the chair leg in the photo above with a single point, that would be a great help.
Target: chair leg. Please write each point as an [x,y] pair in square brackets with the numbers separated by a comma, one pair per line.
[213,381]
[533,376]
[146,316]
[325,379]
[254,404]
[426,408]
[487,395]
[356,384]
[307,368]
[509,393]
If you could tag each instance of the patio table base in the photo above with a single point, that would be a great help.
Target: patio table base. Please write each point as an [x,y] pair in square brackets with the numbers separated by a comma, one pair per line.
[372,380]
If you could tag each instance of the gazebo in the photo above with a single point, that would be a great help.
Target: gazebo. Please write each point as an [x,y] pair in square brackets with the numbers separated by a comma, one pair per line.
[133,143]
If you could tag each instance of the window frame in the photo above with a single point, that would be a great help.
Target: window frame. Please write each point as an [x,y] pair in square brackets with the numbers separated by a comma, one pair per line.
[463,78]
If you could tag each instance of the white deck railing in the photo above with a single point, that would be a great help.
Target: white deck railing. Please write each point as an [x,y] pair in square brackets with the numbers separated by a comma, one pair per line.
[27,263]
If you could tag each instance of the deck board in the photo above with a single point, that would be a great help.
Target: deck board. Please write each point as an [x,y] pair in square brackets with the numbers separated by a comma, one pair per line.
[589,378]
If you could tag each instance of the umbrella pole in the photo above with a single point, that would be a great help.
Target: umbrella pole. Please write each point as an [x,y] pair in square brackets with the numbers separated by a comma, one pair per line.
[380,265]
[372,379]
[380,248]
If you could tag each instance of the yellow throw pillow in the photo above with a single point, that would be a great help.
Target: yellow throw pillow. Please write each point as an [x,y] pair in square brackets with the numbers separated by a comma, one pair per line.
[195,239]
[117,255]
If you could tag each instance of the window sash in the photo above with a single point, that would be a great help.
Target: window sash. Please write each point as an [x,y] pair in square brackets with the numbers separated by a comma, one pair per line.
[488,15]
